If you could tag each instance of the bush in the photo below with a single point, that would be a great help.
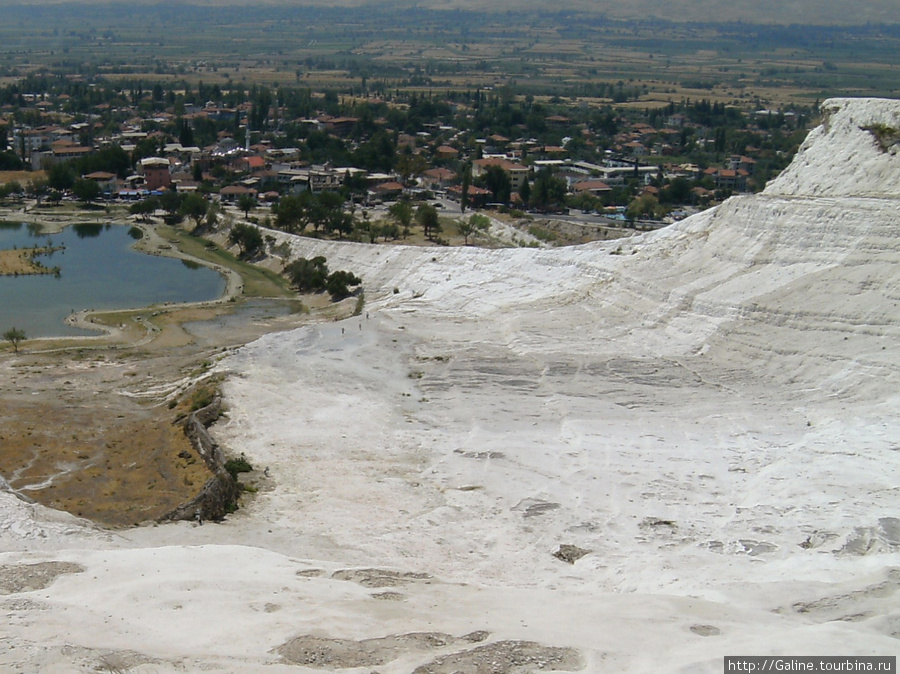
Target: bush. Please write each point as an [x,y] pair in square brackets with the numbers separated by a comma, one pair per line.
[338,284]
[235,466]
[202,397]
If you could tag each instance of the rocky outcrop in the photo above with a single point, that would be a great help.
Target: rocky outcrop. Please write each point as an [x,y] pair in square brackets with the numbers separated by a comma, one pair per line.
[219,495]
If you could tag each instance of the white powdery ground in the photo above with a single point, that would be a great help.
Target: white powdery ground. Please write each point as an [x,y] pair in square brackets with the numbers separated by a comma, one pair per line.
[710,410]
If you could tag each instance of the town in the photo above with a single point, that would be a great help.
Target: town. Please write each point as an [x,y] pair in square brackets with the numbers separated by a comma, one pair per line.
[367,167]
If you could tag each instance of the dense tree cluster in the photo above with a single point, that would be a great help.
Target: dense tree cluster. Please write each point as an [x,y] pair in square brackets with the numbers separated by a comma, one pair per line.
[312,276]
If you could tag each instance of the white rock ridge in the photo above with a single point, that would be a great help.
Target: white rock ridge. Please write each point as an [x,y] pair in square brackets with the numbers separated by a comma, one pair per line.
[710,411]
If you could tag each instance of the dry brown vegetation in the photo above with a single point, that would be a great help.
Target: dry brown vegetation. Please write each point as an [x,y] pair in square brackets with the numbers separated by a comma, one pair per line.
[89,425]
[15,262]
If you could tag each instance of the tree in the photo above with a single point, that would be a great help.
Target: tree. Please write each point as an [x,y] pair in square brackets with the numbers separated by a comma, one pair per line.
[427,217]
[14,336]
[464,199]
[9,161]
[377,154]
[60,177]
[366,229]
[338,284]
[525,191]
[465,228]
[308,275]
[475,225]
[145,147]
[144,207]
[247,237]
[290,211]
[212,215]
[170,202]
[409,164]
[195,207]
[86,190]
[185,133]
[246,202]
[549,192]
[37,188]
[342,223]
[402,212]
[676,192]
[497,181]
[643,206]
[112,159]
[328,212]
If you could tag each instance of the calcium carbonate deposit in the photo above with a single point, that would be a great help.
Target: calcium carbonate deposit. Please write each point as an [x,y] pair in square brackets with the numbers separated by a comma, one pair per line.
[633,456]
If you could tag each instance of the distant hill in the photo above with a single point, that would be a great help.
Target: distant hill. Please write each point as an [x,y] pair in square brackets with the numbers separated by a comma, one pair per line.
[782,12]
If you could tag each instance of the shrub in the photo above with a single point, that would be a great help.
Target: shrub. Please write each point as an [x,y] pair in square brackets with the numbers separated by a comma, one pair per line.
[235,466]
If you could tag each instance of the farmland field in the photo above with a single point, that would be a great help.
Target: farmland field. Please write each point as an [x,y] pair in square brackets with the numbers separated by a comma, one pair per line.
[378,50]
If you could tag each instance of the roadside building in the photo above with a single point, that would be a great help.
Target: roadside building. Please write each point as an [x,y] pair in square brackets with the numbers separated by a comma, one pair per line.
[156,172]
[516,172]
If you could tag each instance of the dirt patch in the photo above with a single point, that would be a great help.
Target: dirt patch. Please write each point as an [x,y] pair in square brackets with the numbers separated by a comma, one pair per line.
[21,177]
[506,657]
[116,465]
[325,653]
[15,578]
[389,596]
[375,578]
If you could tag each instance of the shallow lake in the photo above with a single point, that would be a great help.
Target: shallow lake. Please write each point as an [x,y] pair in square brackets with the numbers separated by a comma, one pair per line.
[97,270]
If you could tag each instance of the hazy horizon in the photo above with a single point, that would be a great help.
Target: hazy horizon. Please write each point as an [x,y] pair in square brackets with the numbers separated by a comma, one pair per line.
[796,12]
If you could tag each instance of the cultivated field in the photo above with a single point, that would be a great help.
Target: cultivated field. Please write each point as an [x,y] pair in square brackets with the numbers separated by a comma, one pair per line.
[376,50]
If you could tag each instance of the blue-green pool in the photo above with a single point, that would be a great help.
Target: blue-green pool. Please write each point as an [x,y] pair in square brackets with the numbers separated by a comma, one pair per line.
[97,270]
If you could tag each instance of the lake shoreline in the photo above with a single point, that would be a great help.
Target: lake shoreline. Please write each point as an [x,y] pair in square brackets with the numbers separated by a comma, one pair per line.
[88,420]
[53,221]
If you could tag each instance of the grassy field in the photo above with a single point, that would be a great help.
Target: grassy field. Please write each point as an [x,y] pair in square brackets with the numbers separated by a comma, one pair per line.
[257,281]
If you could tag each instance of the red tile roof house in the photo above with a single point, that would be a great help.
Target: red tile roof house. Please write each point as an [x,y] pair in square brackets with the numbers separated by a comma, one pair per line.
[254,163]
[340,126]
[388,190]
[438,178]
[556,120]
[748,164]
[63,150]
[446,152]
[595,187]
[231,193]
[635,149]
[516,172]
[477,196]
[729,178]
[554,150]
[106,181]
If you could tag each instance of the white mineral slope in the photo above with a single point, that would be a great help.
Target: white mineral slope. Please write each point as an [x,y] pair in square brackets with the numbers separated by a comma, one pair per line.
[710,410]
